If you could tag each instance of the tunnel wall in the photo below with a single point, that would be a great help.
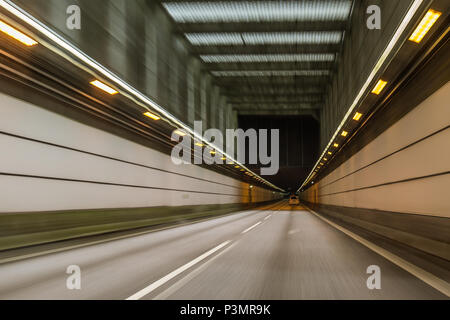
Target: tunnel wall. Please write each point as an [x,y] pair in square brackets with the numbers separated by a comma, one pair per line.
[51,162]
[398,184]
[361,49]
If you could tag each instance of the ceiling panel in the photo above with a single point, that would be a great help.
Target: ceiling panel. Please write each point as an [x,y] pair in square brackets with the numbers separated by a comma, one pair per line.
[257,11]
[264,38]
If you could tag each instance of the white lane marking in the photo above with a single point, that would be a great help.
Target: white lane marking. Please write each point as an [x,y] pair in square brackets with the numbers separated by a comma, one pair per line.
[190,276]
[138,295]
[267,217]
[427,277]
[250,228]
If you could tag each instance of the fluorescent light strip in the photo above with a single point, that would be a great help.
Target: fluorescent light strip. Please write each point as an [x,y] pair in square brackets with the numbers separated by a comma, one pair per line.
[425,25]
[395,38]
[104,87]
[151,116]
[379,86]
[64,44]
[264,38]
[180,133]
[357,116]
[16,34]
[270,73]
[258,11]
[249,58]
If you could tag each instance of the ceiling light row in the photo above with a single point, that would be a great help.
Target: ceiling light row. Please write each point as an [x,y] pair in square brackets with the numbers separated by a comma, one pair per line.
[417,36]
[270,73]
[257,11]
[264,38]
[252,58]
[29,42]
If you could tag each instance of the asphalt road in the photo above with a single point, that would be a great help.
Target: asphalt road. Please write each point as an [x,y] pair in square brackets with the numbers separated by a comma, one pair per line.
[281,253]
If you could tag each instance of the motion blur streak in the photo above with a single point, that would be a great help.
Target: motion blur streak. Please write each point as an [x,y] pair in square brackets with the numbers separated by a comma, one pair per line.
[268,262]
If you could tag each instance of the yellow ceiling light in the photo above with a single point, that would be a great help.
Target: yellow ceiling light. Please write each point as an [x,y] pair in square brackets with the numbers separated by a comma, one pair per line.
[321,164]
[104,87]
[335,145]
[223,158]
[379,86]
[425,25]
[16,34]
[357,116]
[325,159]
[344,133]
[212,152]
[237,167]
[180,133]
[199,144]
[151,115]
[330,153]
[242,169]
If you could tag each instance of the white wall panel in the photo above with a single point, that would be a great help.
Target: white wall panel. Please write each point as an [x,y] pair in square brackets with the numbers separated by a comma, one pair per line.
[31,158]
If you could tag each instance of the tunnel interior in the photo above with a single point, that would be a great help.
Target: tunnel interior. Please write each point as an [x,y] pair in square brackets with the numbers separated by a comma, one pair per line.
[103,167]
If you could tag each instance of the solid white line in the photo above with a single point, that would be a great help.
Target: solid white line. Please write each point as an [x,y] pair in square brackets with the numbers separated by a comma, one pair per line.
[138,295]
[425,276]
[250,228]
[267,217]
[190,276]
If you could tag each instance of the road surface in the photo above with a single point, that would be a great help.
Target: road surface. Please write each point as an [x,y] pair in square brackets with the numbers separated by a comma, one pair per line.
[276,253]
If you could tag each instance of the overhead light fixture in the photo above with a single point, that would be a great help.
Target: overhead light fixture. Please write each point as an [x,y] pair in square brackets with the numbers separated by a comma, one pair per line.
[257,11]
[379,86]
[104,87]
[151,115]
[212,152]
[250,58]
[223,158]
[357,116]
[335,145]
[325,159]
[330,153]
[425,25]
[321,164]
[344,133]
[237,167]
[270,73]
[263,38]
[180,133]
[16,34]
[242,169]
[199,144]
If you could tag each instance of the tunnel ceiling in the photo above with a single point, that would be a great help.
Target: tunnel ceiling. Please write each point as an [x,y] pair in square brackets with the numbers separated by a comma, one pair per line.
[268,57]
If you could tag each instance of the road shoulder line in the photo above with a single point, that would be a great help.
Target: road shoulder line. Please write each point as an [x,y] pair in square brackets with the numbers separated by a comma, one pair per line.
[423,275]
